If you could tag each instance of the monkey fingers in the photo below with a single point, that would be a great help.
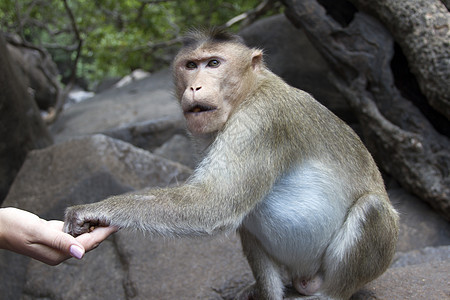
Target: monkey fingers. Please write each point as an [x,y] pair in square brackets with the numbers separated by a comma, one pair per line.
[78,220]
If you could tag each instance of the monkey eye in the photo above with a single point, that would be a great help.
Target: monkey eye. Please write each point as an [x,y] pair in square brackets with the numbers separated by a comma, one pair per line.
[213,63]
[191,65]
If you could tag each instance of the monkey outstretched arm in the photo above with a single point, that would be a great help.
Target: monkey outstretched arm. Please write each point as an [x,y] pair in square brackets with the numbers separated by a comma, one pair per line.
[214,199]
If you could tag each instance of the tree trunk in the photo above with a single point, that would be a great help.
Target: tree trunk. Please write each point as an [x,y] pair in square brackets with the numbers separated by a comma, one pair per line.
[21,126]
[401,139]
[422,28]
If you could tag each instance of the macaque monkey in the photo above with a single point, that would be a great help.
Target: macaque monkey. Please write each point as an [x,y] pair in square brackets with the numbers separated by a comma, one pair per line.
[295,181]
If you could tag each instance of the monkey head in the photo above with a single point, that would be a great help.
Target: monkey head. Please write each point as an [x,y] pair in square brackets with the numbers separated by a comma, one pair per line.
[213,75]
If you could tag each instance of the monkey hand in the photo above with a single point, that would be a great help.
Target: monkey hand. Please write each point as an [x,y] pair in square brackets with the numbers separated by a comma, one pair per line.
[83,218]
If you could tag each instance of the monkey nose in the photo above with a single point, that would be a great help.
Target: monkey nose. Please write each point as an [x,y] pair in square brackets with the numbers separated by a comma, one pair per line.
[195,88]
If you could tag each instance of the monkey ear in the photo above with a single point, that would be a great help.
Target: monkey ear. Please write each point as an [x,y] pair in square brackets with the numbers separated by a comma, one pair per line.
[257,59]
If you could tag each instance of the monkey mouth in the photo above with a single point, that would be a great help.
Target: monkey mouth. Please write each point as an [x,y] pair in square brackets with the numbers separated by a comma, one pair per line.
[199,108]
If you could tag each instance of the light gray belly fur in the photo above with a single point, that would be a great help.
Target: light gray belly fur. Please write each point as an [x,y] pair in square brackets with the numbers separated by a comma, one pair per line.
[297,219]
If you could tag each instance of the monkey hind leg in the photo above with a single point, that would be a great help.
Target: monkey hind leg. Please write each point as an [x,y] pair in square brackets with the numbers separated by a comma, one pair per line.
[363,247]
[269,284]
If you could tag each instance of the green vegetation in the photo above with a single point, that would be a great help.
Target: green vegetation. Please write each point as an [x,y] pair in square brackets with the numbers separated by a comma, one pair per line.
[117,36]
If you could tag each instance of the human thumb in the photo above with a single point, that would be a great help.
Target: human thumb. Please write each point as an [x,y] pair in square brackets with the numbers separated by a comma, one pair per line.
[54,237]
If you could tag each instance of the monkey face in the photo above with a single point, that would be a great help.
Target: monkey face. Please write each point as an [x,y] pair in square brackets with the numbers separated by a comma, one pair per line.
[202,99]
[210,81]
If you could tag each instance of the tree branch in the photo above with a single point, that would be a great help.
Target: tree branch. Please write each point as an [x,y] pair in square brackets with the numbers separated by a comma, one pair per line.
[55,111]
[164,44]
[253,14]
[422,28]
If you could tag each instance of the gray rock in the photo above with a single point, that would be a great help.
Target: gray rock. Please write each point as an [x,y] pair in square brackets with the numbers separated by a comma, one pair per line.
[99,276]
[420,225]
[150,134]
[142,100]
[422,256]
[428,281]
[131,266]
[290,55]
[85,170]
[127,265]
[184,268]
[78,171]
[180,149]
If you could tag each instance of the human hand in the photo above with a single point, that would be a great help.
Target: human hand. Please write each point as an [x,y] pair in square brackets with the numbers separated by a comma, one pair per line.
[27,234]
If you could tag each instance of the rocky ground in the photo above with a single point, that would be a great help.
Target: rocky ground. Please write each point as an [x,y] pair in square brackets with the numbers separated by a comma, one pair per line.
[132,138]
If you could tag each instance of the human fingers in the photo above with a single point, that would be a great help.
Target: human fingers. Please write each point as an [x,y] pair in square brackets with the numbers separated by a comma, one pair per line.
[51,235]
[91,240]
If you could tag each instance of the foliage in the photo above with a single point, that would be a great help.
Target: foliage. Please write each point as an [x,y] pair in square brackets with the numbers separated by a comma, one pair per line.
[117,36]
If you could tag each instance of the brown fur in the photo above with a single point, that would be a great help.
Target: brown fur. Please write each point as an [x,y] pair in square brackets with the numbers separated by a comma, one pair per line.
[278,166]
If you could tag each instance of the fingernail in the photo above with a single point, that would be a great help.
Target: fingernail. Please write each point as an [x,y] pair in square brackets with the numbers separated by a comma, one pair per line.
[76,251]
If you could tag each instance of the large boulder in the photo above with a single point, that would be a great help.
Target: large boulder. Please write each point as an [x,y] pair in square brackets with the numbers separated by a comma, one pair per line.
[85,170]
[180,149]
[140,101]
[132,266]
[127,265]
[150,134]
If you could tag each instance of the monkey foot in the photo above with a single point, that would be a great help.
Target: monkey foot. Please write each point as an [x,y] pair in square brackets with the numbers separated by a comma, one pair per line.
[307,287]
[247,294]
